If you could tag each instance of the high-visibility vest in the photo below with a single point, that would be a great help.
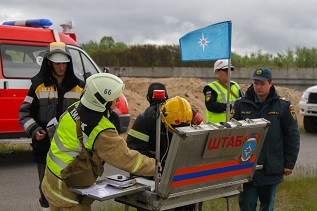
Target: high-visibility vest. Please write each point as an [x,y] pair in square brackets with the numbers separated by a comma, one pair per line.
[65,145]
[221,98]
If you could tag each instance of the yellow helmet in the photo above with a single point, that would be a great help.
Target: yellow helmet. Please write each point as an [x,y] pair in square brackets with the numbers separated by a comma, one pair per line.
[176,112]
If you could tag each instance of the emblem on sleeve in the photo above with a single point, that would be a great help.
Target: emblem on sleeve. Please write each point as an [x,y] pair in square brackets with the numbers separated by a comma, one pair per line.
[292,111]
[232,113]
[208,96]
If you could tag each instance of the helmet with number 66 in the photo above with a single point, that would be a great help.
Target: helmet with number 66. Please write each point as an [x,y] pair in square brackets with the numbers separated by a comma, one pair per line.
[100,89]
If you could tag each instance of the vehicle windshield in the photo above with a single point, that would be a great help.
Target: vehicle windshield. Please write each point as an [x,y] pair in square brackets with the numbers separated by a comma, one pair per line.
[24,61]
[20,61]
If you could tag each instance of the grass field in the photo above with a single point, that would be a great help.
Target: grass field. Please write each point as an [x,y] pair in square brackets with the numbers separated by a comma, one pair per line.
[297,192]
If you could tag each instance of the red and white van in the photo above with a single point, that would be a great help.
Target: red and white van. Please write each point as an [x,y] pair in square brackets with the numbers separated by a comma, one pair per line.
[22,45]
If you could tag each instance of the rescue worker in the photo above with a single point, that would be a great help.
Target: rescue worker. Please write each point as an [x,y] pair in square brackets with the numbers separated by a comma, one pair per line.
[102,92]
[197,119]
[282,142]
[142,135]
[53,89]
[216,93]
[152,87]
[176,112]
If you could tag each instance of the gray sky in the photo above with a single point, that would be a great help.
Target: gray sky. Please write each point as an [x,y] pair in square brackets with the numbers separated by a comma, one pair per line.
[268,25]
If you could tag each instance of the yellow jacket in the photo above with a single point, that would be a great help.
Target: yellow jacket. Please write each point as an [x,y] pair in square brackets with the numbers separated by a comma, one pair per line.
[222,93]
[109,146]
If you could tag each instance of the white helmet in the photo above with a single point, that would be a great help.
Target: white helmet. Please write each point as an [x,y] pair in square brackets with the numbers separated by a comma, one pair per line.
[222,65]
[58,52]
[100,89]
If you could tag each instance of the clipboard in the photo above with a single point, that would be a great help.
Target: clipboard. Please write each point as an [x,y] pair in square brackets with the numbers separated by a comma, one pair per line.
[101,191]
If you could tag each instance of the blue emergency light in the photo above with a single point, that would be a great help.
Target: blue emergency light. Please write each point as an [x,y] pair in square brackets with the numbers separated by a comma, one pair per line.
[44,23]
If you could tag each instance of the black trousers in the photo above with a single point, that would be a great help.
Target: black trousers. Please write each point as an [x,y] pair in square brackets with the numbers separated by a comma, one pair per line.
[41,171]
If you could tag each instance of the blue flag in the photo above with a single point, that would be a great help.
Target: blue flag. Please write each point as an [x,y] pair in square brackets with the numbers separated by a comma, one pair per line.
[210,43]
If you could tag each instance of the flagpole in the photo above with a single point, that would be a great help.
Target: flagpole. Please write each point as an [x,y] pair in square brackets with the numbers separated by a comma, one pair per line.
[229,78]
[228,92]
[209,43]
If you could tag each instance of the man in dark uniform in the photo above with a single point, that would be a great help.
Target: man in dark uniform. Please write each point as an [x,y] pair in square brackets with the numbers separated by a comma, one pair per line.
[281,146]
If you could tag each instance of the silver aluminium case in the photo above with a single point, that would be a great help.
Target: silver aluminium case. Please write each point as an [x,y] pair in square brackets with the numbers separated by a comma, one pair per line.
[205,162]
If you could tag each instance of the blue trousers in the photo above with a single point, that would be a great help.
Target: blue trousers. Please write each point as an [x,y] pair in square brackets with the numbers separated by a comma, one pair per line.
[251,194]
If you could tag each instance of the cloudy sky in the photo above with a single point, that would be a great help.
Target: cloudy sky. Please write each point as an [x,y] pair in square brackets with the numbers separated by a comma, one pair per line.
[267,25]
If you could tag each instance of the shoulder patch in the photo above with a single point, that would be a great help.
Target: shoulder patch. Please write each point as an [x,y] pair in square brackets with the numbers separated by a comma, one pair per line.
[292,111]
[284,99]
[208,96]
[232,113]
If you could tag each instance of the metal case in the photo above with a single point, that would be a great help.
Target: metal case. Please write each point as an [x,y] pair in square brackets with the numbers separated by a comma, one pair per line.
[205,162]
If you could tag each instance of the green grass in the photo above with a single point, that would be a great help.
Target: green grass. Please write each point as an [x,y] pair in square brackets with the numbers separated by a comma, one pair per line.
[14,150]
[297,192]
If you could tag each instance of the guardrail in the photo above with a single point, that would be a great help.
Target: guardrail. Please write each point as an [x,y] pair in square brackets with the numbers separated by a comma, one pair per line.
[296,78]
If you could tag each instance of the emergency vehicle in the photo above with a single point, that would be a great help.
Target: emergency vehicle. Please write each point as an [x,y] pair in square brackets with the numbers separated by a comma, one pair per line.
[22,47]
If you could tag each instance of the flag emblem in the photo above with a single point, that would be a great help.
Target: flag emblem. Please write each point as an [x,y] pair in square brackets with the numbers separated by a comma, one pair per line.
[205,44]
[203,41]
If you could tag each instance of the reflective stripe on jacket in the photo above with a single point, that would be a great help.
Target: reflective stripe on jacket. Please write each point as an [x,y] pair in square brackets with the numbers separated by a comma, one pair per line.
[59,195]
[139,135]
[221,98]
[48,105]
[142,135]
[65,145]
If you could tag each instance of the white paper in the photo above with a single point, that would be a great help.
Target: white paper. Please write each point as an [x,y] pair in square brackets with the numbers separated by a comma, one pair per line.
[147,182]
[52,122]
[95,190]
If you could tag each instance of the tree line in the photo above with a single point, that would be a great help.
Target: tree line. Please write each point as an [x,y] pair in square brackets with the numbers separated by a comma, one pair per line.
[107,52]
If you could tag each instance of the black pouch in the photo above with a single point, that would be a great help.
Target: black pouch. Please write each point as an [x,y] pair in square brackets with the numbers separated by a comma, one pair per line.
[83,171]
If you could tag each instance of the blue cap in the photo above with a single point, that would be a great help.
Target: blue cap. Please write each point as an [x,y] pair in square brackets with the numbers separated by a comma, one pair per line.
[262,74]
